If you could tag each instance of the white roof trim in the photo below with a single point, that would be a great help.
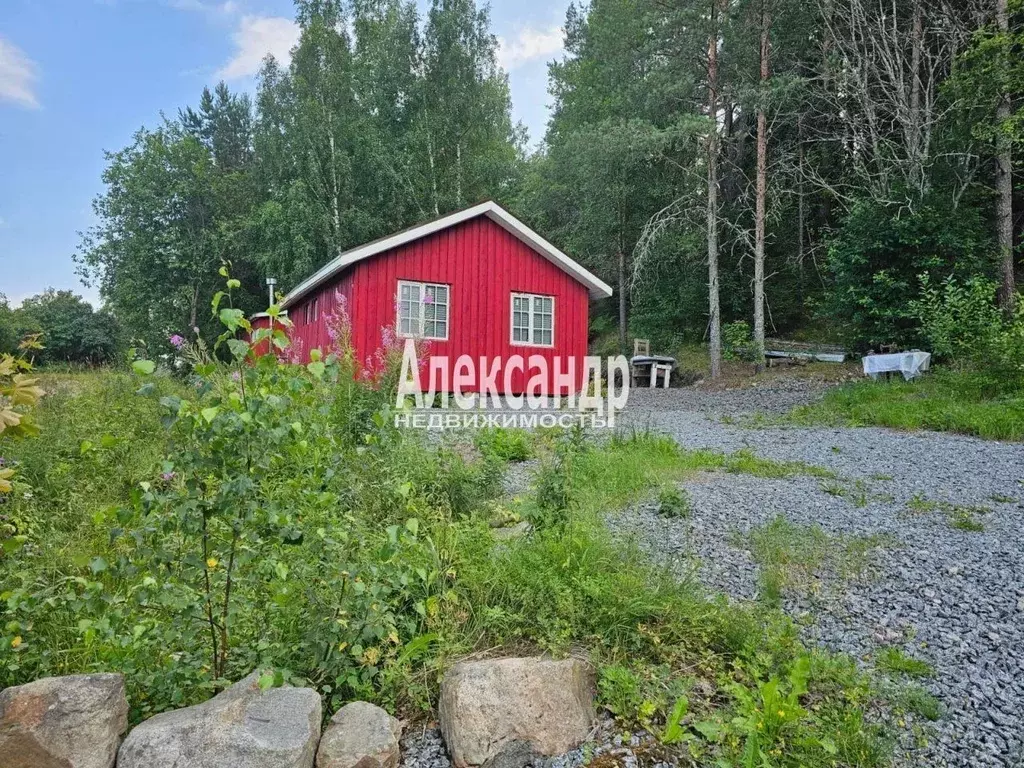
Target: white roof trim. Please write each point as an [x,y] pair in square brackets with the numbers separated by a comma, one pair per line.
[598,288]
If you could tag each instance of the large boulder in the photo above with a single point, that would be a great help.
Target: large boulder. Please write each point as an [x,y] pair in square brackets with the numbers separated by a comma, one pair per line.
[502,713]
[63,722]
[360,735]
[242,727]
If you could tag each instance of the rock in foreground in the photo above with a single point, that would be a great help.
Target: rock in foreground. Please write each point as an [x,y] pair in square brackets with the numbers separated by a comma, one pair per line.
[63,722]
[360,735]
[501,713]
[242,727]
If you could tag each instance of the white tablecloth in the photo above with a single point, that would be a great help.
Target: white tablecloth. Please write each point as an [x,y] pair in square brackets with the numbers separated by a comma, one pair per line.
[910,364]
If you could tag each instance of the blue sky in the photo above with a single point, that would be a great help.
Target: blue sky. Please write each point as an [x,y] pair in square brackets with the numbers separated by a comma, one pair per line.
[78,77]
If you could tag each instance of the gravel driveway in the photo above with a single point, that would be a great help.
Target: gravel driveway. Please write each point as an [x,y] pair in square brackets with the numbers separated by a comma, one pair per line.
[952,597]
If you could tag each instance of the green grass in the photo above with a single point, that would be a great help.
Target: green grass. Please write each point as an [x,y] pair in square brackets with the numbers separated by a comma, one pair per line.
[944,401]
[794,557]
[962,517]
[916,699]
[895,661]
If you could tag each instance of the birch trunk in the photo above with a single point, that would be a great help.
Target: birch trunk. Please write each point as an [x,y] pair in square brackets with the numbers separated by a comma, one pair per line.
[458,174]
[714,308]
[623,330]
[1004,186]
[760,204]
[914,139]
[433,173]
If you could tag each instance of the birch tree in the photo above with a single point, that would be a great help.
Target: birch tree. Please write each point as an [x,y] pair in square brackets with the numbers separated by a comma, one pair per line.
[1004,183]
[760,213]
[714,303]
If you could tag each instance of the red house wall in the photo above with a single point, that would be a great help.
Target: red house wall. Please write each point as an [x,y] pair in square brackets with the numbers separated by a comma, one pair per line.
[483,265]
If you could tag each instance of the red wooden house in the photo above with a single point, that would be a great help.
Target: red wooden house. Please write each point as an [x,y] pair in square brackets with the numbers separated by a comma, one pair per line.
[477,282]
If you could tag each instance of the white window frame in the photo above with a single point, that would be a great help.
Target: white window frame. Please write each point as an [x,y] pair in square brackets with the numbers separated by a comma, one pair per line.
[422,318]
[530,318]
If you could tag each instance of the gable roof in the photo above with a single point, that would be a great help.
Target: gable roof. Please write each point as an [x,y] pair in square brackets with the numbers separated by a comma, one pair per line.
[598,288]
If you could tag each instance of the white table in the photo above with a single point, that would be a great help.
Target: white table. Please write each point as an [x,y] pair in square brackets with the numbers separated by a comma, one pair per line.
[910,364]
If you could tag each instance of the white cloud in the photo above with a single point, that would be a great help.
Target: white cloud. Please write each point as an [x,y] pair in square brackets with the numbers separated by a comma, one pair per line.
[228,7]
[18,74]
[528,45]
[255,38]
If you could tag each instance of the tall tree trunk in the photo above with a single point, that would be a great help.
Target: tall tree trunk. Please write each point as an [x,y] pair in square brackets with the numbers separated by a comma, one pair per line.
[458,173]
[801,214]
[623,329]
[1004,185]
[714,308]
[762,191]
[914,139]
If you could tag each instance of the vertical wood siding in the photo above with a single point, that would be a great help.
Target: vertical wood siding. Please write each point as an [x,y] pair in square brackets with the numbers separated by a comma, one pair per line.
[483,265]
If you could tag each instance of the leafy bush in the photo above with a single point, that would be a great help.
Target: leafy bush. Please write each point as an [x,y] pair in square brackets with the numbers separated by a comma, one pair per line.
[961,323]
[737,340]
[504,444]
[673,501]
[878,256]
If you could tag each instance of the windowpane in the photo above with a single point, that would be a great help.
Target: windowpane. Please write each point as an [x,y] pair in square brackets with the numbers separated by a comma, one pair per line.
[423,310]
[533,319]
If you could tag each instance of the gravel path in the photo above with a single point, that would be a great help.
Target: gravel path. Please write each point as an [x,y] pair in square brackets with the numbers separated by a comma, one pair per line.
[954,598]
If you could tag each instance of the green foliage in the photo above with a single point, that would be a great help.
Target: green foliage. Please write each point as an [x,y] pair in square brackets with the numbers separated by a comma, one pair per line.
[19,394]
[8,330]
[68,328]
[962,324]
[878,257]
[504,444]
[989,68]
[736,340]
[959,321]
[673,501]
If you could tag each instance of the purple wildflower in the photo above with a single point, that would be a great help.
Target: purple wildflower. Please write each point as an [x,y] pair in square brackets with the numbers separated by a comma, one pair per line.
[176,341]
[167,476]
[235,376]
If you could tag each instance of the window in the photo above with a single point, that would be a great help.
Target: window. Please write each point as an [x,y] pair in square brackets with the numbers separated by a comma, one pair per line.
[533,320]
[311,311]
[422,310]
